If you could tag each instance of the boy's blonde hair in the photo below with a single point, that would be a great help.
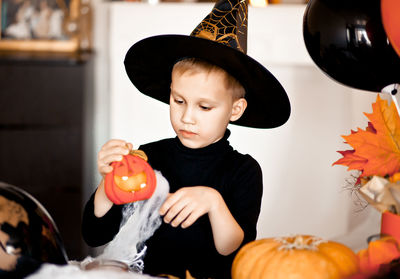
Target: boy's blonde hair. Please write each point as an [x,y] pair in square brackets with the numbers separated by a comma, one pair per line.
[195,65]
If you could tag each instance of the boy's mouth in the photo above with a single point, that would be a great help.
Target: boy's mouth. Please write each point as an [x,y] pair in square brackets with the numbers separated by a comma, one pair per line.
[187,134]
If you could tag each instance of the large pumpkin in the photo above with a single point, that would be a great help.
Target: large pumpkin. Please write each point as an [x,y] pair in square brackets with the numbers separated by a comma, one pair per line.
[297,257]
[132,179]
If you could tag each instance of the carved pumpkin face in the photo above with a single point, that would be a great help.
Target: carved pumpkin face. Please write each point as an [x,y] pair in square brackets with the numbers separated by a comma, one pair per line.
[132,179]
[131,182]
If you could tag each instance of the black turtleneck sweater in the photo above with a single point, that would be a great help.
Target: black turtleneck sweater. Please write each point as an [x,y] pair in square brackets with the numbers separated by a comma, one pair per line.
[172,250]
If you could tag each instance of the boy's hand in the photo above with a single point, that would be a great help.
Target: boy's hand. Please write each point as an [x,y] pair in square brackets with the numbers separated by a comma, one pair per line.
[187,204]
[111,151]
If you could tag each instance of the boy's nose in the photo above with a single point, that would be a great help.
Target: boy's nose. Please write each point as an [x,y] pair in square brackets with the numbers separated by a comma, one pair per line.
[188,116]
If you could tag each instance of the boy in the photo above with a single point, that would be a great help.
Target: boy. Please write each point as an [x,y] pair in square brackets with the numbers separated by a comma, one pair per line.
[215,192]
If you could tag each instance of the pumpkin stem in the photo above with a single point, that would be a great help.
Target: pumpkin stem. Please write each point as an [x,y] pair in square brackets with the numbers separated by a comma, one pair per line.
[299,242]
[139,153]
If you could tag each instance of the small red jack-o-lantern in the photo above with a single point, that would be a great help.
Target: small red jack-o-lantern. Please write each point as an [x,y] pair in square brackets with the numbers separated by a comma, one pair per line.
[132,179]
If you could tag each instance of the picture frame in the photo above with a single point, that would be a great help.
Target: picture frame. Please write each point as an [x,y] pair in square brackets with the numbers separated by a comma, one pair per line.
[44,25]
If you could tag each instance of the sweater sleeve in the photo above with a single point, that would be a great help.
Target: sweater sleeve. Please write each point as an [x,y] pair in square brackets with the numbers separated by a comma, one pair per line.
[245,200]
[99,231]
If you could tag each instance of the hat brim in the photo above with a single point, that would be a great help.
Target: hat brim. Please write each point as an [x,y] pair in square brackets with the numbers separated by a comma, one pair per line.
[149,65]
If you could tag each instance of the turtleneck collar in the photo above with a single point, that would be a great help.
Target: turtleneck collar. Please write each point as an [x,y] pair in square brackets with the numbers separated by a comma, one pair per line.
[215,148]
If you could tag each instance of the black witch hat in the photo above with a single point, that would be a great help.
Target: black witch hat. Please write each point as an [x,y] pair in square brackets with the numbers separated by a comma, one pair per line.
[220,39]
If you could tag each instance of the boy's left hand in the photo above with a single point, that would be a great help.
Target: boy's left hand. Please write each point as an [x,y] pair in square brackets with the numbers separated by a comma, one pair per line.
[187,204]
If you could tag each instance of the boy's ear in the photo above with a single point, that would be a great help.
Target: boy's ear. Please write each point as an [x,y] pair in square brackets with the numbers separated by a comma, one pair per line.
[238,108]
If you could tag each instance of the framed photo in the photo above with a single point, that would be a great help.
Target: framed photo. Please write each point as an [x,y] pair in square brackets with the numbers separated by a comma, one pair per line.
[40,25]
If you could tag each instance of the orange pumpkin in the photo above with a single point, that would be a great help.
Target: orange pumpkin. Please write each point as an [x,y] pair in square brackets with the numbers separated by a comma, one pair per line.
[299,257]
[132,179]
[380,251]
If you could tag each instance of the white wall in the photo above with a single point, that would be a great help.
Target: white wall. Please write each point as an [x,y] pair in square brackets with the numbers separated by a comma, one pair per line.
[303,193]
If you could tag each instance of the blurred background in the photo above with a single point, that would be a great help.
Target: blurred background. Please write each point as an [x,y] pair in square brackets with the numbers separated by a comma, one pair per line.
[63,96]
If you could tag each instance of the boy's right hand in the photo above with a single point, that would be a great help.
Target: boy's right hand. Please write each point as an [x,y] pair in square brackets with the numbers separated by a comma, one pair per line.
[111,151]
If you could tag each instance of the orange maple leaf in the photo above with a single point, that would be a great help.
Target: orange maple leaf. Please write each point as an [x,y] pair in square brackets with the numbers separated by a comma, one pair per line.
[376,150]
[351,160]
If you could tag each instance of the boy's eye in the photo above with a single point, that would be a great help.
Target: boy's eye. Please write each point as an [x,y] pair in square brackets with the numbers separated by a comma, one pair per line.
[205,108]
[178,101]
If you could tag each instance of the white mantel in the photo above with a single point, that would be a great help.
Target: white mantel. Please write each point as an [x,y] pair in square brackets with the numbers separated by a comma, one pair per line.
[303,193]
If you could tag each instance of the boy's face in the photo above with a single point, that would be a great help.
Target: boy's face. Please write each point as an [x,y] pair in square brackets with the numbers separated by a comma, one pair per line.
[200,108]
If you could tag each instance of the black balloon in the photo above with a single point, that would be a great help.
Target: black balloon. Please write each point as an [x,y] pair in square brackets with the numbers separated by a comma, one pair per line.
[28,235]
[346,39]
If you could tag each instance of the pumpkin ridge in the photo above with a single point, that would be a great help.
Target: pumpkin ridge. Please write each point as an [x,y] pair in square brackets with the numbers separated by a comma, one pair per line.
[116,200]
[243,253]
[269,264]
[250,257]
[240,254]
[342,256]
[262,262]
[308,262]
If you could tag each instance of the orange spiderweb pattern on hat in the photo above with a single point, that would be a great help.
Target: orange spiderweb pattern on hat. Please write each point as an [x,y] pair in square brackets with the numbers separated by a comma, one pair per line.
[226,24]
